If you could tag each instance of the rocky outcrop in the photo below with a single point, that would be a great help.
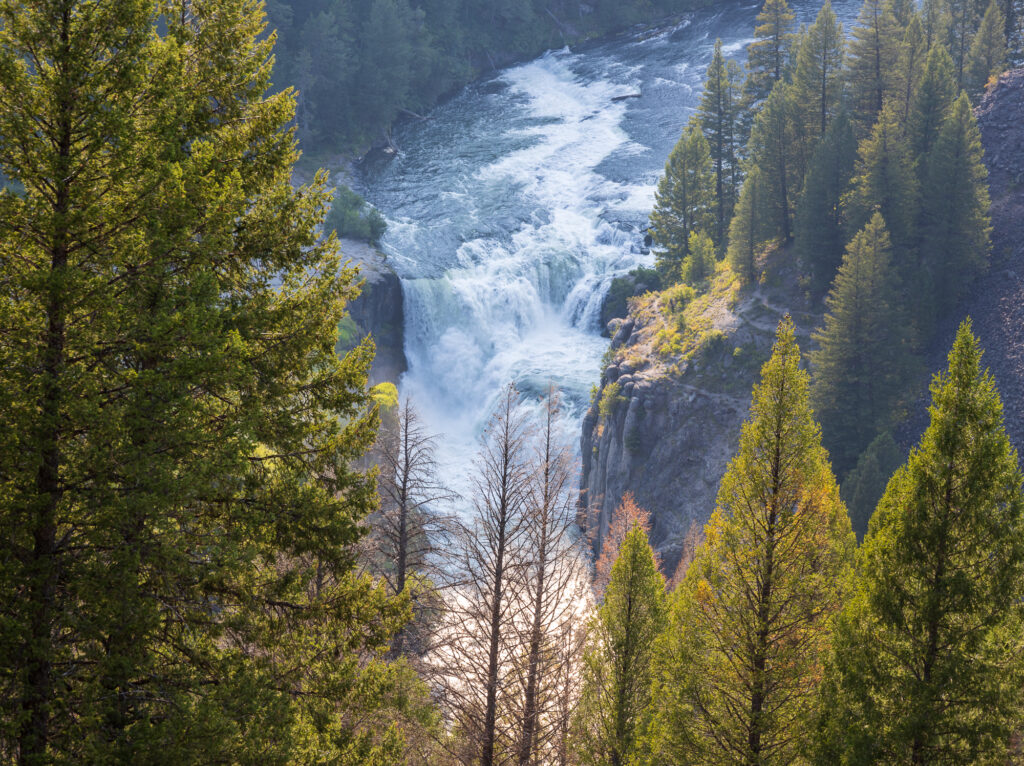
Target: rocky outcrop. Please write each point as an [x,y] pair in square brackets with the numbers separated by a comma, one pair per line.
[377,311]
[666,417]
[996,301]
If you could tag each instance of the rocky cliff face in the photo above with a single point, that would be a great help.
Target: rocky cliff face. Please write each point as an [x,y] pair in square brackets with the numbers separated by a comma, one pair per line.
[377,311]
[666,417]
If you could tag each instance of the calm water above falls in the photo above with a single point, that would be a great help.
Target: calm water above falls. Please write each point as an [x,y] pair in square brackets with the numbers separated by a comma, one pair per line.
[514,206]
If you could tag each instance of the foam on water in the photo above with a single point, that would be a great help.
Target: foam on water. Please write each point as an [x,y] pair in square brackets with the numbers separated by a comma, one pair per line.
[512,209]
[525,307]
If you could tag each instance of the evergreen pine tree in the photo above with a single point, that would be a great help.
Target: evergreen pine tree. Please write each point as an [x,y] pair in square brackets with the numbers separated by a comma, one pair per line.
[864,486]
[935,17]
[925,665]
[747,229]
[684,202]
[617,673]
[913,55]
[929,107]
[769,54]
[819,229]
[718,115]
[860,365]
[750,622]
[699,265]
[885,182]
[872,59]
[817,81]
[775,147]
[955,222]
[964,17]
[180,507]
[988,51]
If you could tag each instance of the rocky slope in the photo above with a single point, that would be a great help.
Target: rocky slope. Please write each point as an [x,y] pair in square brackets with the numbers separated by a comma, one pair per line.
[666,417]
[377,311]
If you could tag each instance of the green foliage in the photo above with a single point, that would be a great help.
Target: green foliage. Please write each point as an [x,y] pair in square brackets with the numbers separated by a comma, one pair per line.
[719,117]
[911,67]
[749,625]
[611,398]
[769,54]
[964,16]
[179,512]
[637,282]
[861,364]
[926,654]
[683,202]
[352,217]
[699,265]
[820,228]
[955,223]
[385,395]
[747,230]
[885,182]
[817,81]
[360,64]
[775,148]
[931,103]
[617,670]
[988,51]
[873,56]
[863,487]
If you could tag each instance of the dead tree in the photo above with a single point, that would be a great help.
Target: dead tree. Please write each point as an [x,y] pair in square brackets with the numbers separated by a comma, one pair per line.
[482,613]
[412,529]
[552,590]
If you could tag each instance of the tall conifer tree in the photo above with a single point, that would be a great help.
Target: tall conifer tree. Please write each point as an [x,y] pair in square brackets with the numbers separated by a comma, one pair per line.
[988,51]
[684,201]
[911,66]
[885,182]
[926,654]
[820,229]
[930,105]
[873,55]
[750,623]
[860,366]
[616,696]
[817,80]
[180,509]
[747,231]
[768,55]
[719,114]
[955,223]
[775,147]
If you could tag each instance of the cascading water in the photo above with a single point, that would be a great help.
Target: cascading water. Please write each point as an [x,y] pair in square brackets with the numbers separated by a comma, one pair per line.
[513,207]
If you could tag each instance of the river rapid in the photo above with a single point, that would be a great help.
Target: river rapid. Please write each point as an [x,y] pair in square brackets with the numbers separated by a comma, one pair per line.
[514,205]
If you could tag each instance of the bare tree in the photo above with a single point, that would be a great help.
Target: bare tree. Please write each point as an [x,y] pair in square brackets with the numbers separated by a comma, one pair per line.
[552,590]
[411,531]
[482,612]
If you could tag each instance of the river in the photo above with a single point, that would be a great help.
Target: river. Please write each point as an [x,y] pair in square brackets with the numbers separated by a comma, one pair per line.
[511,209]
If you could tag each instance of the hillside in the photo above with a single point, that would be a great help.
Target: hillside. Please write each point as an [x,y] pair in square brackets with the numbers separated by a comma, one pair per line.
[668,430]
